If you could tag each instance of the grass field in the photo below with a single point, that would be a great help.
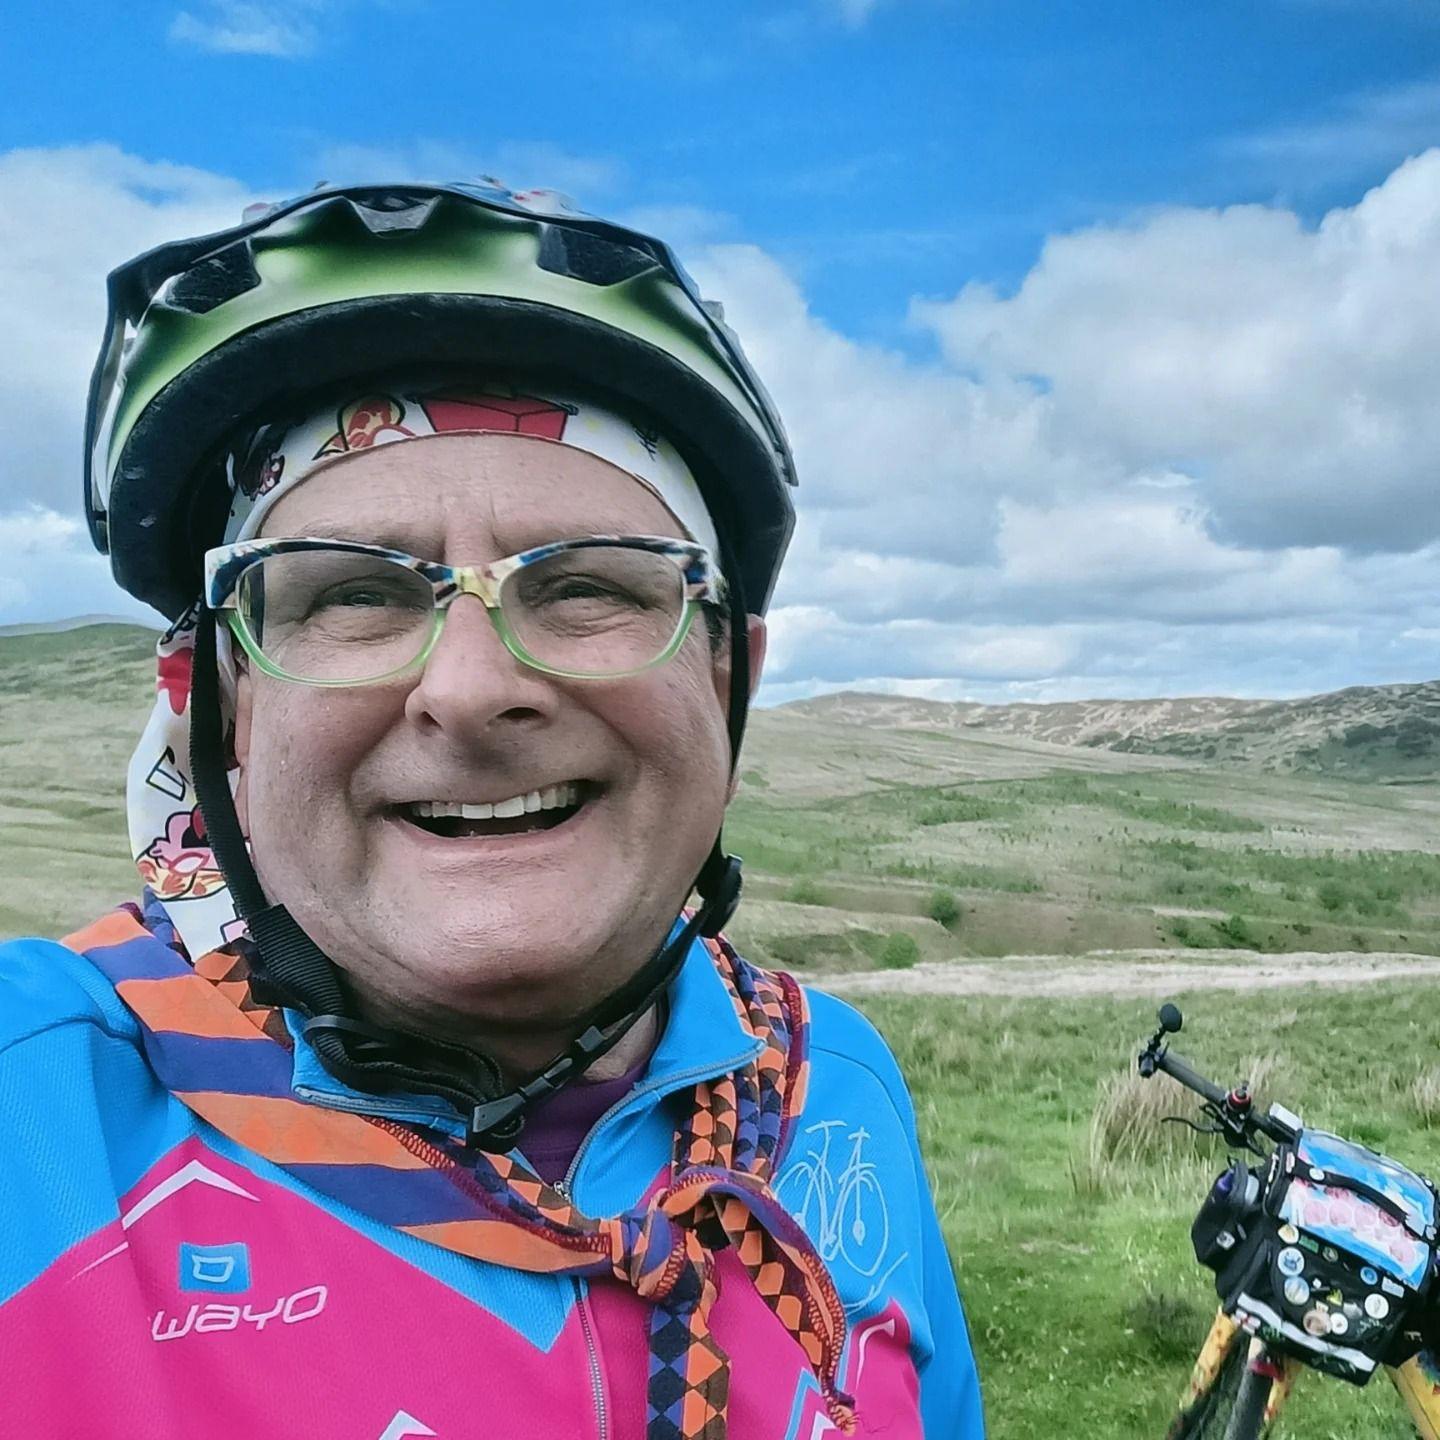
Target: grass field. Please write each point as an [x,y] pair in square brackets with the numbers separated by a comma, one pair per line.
[1068,1219]
[72,705]
[1068,1206]
[1068,862]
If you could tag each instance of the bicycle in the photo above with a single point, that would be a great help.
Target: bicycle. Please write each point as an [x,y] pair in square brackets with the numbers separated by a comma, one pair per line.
[1324,1256]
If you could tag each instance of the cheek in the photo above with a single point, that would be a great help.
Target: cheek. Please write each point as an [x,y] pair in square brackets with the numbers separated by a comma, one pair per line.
[680,731]
[303,747]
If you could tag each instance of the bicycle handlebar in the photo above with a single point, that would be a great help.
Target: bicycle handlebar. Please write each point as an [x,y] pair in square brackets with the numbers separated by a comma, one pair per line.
[1238,1122]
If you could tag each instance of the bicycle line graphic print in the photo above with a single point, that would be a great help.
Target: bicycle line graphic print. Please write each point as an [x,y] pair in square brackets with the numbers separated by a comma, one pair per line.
[843,1212]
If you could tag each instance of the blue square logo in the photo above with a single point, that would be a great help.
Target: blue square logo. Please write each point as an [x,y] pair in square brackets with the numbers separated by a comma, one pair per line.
[222,1269]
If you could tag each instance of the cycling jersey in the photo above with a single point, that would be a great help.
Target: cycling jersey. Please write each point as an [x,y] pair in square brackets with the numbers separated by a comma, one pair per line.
[160,1277]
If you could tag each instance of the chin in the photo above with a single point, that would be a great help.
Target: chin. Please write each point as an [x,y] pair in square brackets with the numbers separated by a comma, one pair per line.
[468,966]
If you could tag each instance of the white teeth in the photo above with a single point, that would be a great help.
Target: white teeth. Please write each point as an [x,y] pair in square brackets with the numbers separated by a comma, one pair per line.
[552,797]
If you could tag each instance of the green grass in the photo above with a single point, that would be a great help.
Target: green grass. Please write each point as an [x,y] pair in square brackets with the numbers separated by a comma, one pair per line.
[867,823]
[1068,862]
[1127,797]
[1372,886]
[1085,1303]
[71,707]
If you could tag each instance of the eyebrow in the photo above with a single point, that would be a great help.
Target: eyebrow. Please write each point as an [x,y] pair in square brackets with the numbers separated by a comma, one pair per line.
[386,539]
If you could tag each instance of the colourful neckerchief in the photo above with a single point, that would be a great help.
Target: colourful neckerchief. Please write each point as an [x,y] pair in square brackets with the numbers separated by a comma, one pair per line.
[228,1059]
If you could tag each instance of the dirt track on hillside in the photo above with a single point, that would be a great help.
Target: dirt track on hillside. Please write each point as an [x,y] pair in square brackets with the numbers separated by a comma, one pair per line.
[1129,973]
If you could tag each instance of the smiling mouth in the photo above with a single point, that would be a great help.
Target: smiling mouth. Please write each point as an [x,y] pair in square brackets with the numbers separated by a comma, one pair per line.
[519,815]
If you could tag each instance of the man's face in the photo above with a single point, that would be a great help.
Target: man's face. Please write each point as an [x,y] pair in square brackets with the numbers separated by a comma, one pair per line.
[524,930]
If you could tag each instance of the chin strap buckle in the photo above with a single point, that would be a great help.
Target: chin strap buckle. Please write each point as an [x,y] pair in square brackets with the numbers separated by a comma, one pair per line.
[496,1125]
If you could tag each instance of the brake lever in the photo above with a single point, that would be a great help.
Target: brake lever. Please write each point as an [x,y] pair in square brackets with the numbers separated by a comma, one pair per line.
[1231,1128]
[1186,1120]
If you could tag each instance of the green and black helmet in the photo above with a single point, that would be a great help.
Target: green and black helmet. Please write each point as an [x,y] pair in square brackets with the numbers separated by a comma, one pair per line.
[206,334]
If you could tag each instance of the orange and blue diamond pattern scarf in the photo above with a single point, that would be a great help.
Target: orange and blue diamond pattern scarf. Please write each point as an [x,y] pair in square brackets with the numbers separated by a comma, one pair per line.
[229,1060]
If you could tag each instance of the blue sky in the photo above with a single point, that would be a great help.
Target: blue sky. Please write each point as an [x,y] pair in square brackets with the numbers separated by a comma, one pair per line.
[943,197]
[919,144]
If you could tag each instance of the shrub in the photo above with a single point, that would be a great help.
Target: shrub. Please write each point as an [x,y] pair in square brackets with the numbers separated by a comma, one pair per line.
[899,951]
[944,908]
[956,810]
[805,892]
[1236,929]
[1169,1326]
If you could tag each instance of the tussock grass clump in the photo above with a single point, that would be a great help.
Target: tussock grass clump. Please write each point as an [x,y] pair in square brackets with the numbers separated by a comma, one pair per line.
[1133,1132]
[806,892]
[1425,1096]
[1168,1326]
[957,810]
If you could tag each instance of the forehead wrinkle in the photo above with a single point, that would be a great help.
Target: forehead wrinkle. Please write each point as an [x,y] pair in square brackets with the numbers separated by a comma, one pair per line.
[468,503]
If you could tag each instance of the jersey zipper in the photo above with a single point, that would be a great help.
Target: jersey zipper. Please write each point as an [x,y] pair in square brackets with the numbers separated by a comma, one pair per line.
[592,1352]
[668,1083]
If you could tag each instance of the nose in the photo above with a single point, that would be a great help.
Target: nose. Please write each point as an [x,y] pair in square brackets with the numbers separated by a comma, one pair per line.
[472,686]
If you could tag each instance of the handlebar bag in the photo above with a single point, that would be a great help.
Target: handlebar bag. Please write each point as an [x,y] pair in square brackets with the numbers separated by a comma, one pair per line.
[1361,1203]
[1349,1231]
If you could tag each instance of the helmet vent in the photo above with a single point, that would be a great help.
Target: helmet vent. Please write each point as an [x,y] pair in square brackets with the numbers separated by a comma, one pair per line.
[221,277]
[389,210]
[591,258]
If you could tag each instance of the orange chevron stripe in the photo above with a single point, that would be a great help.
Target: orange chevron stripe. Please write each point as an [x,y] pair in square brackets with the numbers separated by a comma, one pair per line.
[215,965]
[113,928]
[290,1132]
[502,1243]
[186,1003]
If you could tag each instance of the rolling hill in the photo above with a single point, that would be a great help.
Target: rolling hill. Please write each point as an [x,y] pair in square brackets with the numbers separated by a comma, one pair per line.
[1382,732]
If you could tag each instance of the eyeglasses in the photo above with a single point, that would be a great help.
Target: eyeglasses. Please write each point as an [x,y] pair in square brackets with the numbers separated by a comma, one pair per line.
[337,612]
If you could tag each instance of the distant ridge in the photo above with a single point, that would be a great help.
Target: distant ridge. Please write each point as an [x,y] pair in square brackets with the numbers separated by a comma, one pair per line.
[1374,732]
[76,622]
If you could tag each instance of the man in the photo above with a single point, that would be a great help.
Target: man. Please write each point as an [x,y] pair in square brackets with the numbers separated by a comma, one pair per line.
[410,1101]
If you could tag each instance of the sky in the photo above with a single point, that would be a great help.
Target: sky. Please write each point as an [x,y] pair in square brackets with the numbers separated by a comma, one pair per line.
[1108,337]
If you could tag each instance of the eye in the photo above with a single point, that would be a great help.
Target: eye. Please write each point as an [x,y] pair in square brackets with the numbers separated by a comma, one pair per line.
[368,593]
[584,587]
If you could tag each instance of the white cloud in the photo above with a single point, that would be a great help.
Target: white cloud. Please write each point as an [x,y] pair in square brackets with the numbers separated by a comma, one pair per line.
[48,553]
[792,23]
[854,13]
[1194,451]
[1290,370]
[1191,454]
[1370,129]
[68,216]
[684,227]
[251,27]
